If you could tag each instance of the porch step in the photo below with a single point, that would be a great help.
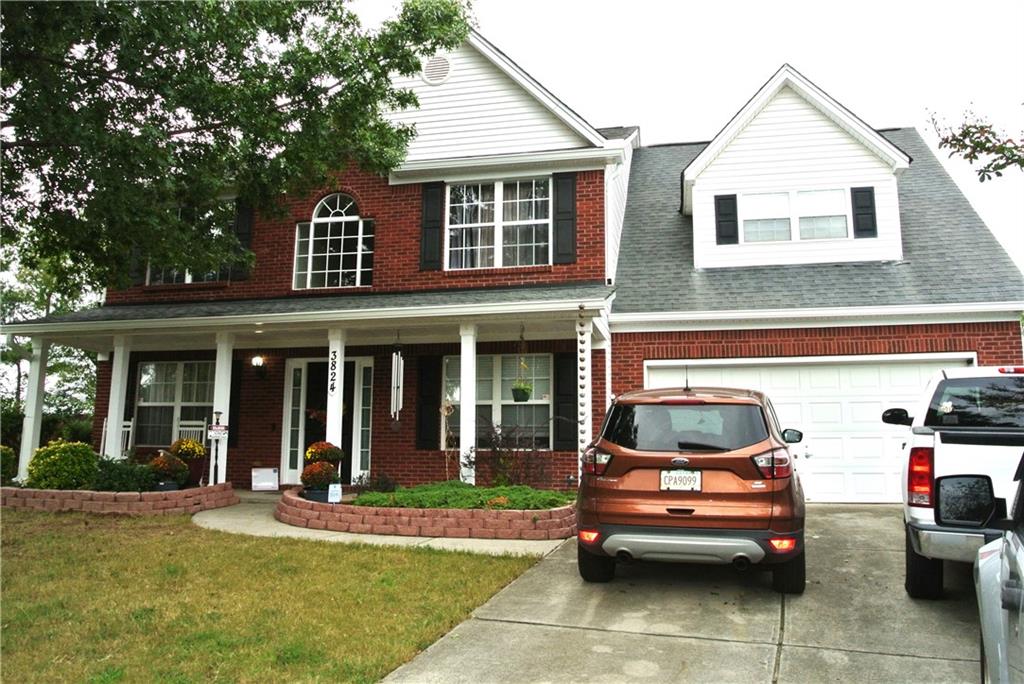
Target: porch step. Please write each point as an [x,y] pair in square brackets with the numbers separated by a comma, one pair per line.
[249,496]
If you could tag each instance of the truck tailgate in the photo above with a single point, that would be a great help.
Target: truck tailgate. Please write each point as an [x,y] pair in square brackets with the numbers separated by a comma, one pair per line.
[994,452]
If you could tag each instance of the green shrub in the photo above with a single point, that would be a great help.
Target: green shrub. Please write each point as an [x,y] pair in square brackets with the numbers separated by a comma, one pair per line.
[75,429]
[456,494]
[8,464]
[123,476]
[63,465]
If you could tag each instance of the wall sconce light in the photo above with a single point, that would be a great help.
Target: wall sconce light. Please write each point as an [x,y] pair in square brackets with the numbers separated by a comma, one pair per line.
[257,361]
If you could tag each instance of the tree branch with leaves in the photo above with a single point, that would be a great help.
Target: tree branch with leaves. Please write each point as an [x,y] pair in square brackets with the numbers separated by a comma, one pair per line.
[976,140]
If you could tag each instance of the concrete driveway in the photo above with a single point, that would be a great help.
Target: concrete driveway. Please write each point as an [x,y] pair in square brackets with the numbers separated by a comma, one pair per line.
[665,623]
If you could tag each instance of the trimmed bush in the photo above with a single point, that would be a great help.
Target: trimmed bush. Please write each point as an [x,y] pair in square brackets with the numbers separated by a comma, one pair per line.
[169,468]
[63,465]
[8,464]
[77,429]
[456,494]
[124,476]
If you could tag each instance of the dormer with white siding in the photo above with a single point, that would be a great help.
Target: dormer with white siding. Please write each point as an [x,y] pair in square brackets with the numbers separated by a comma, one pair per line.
[794,178]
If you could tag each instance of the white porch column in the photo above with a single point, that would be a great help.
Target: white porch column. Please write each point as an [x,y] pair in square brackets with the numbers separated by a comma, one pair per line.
[222,403]
[335,385]
[584,388]
[33,405]
[113,440]
[467,398]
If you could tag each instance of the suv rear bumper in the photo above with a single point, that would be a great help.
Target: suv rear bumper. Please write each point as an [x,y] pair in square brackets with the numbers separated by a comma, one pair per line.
[948,543]
[689,545]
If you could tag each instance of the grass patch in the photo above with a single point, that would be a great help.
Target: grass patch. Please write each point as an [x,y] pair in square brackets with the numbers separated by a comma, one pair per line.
[456,494]
[109,599]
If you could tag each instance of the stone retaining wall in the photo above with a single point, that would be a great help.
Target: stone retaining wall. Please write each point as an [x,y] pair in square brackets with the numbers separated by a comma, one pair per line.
[126,503]
[555,523]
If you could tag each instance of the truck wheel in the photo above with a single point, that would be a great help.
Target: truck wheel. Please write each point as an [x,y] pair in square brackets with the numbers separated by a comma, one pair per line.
[924,575]
[790,577]
[594,568]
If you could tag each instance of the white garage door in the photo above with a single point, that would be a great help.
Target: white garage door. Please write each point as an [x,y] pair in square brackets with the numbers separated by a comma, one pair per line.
[848,454]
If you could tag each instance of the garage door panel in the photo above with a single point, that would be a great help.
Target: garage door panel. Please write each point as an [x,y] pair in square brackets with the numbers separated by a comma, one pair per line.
[853,456]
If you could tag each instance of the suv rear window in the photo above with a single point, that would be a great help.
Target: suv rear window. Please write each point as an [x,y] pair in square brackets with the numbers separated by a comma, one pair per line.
[978,402]
[675,427]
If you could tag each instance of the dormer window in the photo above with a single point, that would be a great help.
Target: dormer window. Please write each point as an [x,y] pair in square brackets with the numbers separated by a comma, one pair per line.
[770,216]
[335,249]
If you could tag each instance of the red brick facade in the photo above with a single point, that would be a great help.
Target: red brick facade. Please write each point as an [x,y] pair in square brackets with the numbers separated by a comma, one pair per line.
[995,343]
[393,445]
[396,210]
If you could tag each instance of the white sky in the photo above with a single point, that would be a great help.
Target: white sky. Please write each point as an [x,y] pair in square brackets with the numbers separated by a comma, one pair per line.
[680,70]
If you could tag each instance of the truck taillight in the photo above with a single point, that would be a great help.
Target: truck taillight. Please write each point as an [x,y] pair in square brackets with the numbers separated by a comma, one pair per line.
[921,477]
[1012,370]
[774,465]
[595,461]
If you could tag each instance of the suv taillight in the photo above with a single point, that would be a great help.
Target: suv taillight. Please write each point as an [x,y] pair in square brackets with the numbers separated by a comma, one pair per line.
[1012,370]
[921,477]
[595,461]
[774,465]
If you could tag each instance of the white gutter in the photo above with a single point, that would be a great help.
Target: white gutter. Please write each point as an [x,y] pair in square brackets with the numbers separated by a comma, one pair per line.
[591,306]
[504,164]
[824,316]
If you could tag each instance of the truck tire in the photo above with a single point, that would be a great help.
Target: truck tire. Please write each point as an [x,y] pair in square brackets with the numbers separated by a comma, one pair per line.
[790,577]
[923,574]
[594,568]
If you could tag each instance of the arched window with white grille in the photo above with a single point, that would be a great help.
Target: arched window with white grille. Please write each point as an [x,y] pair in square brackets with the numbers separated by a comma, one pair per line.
[335,248]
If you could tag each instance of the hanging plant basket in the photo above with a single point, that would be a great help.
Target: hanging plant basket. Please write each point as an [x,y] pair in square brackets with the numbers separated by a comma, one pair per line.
[521,394]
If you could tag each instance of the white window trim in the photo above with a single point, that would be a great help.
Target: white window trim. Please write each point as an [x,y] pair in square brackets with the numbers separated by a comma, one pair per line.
[495,401]
[309,254]
[178,403]
[499,224]
[794,216]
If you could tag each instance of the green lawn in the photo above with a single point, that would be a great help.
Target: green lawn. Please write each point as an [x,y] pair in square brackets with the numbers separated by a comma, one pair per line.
[107,599]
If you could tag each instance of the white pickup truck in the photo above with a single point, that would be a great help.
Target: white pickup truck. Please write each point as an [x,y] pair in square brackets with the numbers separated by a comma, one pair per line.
[969,423]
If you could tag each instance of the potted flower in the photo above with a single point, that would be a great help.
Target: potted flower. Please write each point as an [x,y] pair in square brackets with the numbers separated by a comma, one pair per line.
[171,472]
[324,451]
[521,389]
[193,453]
[316,478]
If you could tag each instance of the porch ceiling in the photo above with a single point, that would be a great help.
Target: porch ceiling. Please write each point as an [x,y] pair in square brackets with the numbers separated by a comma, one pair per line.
[420,317]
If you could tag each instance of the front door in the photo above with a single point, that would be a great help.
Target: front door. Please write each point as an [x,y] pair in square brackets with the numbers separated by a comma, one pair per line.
[305,416]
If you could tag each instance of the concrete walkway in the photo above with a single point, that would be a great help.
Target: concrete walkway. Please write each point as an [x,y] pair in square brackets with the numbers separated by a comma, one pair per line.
[673,623]
[255,516]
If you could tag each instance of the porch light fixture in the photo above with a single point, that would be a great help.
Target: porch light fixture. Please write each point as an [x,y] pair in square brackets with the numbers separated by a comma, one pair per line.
[257,361]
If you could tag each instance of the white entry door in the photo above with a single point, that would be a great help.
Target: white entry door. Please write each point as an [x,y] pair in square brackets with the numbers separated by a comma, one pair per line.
[848,454]
[304,420]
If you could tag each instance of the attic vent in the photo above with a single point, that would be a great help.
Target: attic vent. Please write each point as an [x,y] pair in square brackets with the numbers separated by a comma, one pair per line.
[436,70]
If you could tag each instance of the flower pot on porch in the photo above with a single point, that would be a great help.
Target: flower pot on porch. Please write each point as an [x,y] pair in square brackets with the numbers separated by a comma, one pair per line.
[166,486]
[317,495]
[197,468]
[520,394]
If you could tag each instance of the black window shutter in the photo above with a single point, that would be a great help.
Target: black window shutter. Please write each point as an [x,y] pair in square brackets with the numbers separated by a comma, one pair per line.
[243,231]
[235,408]
[566,422]
[432,225]
[564,219]
[864,224]
[137,266]
[428,403]
[726,220]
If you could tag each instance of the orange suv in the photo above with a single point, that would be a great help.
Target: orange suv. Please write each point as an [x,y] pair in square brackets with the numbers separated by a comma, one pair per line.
[693,475]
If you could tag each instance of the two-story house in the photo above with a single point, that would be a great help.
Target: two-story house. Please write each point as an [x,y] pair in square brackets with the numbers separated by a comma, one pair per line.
[800,252]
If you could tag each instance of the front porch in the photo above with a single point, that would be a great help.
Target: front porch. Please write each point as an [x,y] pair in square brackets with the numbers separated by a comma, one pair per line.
[387,389]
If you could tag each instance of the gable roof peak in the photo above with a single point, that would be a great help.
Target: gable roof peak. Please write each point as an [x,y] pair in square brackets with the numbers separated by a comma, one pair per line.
[788,76]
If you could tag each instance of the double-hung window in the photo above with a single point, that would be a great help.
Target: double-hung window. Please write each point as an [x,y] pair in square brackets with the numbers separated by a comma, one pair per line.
[498,224]
[766,217]
[335,249]
[527,424]
[817,214]
[822,214]
[169,392]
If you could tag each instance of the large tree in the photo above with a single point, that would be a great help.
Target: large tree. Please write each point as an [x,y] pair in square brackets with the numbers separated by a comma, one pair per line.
[116,116]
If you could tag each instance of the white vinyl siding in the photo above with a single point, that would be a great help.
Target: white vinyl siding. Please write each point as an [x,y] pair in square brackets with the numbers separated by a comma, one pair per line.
[616,182]
[478,111]
[792,147]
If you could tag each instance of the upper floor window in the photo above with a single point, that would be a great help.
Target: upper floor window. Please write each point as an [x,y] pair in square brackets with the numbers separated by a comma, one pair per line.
[335,249]
[498,224]
[772,216]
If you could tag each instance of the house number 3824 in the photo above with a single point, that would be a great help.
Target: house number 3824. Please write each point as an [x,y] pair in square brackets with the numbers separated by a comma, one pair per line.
[332,377]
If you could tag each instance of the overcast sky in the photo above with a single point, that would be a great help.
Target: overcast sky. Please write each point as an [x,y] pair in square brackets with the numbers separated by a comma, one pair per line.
[681,70]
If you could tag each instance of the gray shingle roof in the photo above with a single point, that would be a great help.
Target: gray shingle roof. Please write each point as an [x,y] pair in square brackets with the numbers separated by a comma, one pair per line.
[350,302]
[949,255]
[617,132]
